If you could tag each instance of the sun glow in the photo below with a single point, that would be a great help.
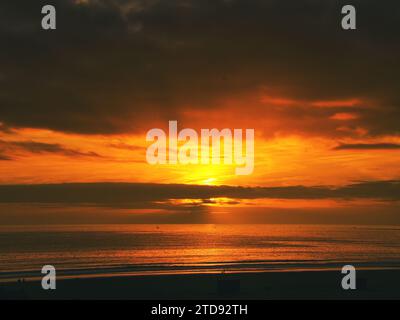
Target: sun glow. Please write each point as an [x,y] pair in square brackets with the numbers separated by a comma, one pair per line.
[210,181]
[279,161]
[206,174]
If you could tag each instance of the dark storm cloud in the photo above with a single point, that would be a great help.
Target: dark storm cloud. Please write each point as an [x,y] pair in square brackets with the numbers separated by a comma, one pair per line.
[127,146]
[40,148]
[115,66]
[153,195]
[368,146]
[4,157]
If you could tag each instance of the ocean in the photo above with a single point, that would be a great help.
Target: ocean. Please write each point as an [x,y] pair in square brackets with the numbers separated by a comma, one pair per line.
[98,250]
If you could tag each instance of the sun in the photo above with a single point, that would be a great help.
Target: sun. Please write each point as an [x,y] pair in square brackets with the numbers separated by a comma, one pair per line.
[210,181]
[210,175]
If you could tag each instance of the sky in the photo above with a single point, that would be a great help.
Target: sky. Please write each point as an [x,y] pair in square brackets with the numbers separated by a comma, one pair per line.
[76,102]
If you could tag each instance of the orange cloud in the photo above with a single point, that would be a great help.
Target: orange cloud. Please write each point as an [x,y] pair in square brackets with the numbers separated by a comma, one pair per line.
[343,116]
[336,103]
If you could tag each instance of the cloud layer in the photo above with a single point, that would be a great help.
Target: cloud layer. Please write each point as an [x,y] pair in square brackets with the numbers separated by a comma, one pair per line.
[368,146]
[35,147]
[140,193]
[123,66]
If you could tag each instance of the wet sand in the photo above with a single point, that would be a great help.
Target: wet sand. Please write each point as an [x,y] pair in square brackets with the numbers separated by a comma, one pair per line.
[371,284]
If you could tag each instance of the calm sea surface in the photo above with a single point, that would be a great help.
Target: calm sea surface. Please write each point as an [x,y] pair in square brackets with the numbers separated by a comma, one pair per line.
[89,250]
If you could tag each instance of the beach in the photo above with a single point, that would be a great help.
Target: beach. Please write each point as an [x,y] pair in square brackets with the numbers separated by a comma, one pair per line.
[371,284]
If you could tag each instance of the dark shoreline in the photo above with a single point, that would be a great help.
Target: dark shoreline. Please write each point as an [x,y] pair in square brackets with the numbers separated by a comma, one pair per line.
[371,284]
